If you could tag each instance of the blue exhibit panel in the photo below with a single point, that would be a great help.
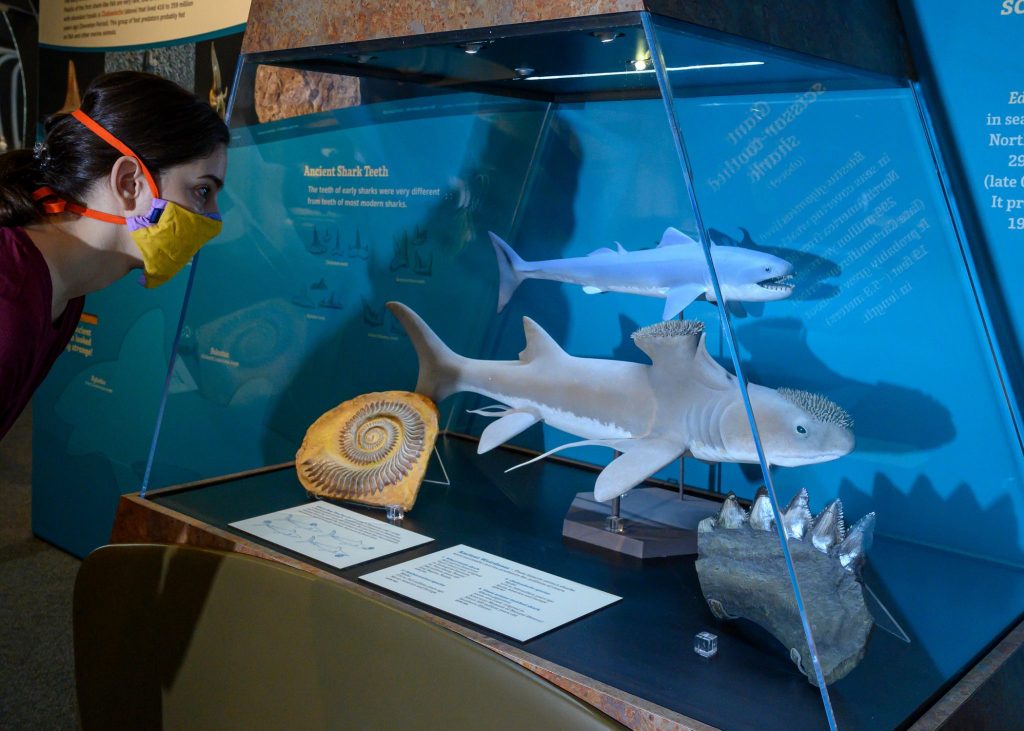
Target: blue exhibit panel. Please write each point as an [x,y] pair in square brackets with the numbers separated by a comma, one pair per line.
[970,56]
[884,319]
[328,218]
[93,417]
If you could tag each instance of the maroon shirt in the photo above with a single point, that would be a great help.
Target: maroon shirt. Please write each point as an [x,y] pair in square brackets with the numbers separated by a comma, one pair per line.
[29,340]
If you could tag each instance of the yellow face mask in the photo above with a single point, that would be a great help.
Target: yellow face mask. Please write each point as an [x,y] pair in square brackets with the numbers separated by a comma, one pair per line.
[168,236]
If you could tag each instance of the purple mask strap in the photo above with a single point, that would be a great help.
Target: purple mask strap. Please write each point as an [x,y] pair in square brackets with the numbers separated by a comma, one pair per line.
[136,222]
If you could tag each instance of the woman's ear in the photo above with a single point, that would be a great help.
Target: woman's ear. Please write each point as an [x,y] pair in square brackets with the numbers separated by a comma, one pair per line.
[128,185]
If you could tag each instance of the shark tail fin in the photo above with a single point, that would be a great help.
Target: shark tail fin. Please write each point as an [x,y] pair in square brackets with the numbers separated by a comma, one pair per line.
[440,366]
[510,274]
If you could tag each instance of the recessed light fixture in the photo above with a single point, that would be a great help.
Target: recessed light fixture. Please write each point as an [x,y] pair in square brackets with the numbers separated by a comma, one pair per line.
[639,64]
[361,57]
[523,72]
[473,47]
[607,36]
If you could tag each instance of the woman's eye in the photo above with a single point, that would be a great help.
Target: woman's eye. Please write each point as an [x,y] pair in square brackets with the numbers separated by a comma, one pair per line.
[203,192]
[800,430]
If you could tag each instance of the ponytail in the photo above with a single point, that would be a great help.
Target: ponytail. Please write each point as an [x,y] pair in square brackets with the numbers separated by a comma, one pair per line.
[19,176]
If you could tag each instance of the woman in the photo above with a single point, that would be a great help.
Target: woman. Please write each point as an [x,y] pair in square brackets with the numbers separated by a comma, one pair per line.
[128,181]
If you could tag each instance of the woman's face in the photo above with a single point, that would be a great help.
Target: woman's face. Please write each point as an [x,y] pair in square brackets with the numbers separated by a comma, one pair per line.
[194,185]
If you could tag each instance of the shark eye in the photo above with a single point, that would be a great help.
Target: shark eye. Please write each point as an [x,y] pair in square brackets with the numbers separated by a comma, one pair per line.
[800,430]
[767,268]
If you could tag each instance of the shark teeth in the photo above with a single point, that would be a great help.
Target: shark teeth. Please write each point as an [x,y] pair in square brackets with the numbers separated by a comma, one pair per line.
[761,516]
[796,518]
[731,516]
[783,283]
[670,329]
[821,408]
[828,529]
[826,533]
[851,552]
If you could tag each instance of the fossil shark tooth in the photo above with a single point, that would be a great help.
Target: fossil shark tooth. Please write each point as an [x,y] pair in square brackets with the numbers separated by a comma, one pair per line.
[797,518]
[851,552]
[742,574]
[72,97]
[731,515]
[828,529]
[761,516]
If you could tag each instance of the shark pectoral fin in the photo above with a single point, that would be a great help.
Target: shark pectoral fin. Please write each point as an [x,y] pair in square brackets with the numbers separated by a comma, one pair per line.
[592,290]
[643,458]
[505,428]
[680,297]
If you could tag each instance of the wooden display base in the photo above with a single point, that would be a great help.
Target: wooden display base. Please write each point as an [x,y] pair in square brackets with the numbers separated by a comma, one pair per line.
[655,523]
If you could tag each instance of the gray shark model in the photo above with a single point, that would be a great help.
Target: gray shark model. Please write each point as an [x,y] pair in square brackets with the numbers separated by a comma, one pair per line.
[676,270]
[684,403]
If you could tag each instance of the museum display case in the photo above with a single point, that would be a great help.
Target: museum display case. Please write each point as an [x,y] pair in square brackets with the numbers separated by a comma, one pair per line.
[702,266]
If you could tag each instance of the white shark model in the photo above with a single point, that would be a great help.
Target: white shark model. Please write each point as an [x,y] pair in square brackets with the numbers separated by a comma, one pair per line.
[676,270]
[684,403]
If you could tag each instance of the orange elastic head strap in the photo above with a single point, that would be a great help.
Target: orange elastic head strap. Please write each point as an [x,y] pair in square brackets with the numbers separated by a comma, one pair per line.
[51,201]
[121,147]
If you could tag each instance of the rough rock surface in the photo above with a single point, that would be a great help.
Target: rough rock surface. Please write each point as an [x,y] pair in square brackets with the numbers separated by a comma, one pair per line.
[743,574]
[282,93]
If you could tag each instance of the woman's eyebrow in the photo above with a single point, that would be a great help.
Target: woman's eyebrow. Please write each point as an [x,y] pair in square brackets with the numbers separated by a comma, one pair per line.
[216,181]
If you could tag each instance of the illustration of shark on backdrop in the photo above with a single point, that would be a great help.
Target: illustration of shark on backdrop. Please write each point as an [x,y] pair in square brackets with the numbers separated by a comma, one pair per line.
[676,270]
[684,403]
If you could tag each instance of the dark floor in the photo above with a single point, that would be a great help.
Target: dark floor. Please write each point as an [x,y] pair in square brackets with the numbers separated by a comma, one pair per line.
[37,687]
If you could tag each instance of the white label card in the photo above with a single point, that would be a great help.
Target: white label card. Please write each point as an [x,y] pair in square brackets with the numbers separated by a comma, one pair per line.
[331,534]
[507,597]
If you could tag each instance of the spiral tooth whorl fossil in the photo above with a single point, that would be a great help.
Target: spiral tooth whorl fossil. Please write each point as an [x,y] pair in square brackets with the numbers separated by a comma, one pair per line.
[372,450]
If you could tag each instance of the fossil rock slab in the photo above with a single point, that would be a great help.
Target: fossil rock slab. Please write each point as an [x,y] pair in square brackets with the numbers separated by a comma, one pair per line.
[743,574]
[371,450]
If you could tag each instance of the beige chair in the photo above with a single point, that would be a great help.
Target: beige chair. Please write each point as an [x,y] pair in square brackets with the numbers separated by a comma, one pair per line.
[176,637]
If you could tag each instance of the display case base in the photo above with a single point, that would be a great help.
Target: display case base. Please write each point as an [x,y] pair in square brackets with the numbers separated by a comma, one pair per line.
[654,523]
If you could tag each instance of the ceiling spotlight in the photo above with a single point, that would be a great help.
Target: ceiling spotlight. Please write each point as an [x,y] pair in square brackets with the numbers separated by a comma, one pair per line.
[473,47]
[639,64]
[607,36]
[523,72]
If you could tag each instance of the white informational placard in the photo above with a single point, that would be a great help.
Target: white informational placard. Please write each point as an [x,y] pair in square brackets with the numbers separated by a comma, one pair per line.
[331,534]
[505,596]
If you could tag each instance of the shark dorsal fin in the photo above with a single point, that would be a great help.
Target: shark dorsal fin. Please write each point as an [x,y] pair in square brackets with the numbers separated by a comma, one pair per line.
[671,343]
[603,251]
[620,249]
[708,371]
[675,237]
[538,343]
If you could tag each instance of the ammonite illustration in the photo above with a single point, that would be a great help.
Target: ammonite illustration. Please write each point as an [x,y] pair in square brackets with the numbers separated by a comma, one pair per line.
[742,574]
[371,450]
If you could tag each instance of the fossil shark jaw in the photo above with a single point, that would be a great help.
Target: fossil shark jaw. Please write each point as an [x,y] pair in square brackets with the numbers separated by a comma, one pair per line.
[742,574]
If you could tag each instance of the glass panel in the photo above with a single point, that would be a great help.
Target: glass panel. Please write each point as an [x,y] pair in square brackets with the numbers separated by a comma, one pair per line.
[480,180]
[838,179]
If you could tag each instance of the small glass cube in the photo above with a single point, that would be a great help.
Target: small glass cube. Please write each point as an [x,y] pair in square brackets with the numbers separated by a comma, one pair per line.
[705,644]
[394,513]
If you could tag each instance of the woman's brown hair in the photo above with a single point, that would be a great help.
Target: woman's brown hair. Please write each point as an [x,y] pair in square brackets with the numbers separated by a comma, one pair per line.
[161,122]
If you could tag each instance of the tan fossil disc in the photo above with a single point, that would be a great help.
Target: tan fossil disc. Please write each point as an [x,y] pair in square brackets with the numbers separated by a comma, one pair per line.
[371,450]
